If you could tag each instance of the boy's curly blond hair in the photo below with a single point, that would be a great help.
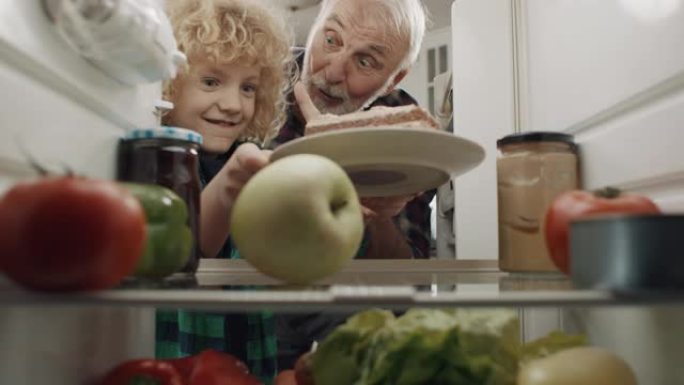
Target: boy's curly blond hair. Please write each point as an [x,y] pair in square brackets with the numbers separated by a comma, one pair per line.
[238,31]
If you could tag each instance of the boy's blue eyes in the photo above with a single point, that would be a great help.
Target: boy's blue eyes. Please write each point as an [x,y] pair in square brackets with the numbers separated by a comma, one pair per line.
[213,83]
[210,82]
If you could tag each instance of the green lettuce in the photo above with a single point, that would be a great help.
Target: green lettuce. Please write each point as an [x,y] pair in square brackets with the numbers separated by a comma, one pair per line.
[430,346]
[549,344]
[433,346]
[339,357]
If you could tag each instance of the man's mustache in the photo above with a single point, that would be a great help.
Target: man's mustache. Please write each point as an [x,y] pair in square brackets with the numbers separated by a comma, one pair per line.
[333,91]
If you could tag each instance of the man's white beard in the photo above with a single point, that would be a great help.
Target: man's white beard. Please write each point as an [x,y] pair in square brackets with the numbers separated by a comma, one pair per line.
[348,105]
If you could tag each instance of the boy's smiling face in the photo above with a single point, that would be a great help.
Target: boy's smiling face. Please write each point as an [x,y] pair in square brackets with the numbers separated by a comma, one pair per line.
[216,100]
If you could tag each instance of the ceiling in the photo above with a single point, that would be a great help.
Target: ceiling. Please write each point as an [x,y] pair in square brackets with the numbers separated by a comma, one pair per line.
[301,14]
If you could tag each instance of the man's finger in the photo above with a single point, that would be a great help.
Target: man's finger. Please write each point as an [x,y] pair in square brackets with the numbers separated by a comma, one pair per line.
[368,214]
[309,110]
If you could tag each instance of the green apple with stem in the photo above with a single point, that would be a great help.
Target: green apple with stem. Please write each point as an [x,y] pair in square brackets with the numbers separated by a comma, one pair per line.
[298,219]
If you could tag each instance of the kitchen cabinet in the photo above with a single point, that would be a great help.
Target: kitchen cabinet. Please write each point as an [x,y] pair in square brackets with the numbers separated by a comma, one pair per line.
[595,69]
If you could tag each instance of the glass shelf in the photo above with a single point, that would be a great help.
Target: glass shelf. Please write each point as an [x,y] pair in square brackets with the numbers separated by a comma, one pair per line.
[225,285]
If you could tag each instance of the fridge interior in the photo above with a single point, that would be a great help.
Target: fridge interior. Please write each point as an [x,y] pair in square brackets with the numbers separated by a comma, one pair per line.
[611,73]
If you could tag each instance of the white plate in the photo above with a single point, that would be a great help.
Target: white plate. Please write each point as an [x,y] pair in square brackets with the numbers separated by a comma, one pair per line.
[386,161]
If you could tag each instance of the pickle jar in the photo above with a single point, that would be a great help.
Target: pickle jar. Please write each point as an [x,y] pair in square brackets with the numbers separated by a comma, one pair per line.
[533,168]
[169,157]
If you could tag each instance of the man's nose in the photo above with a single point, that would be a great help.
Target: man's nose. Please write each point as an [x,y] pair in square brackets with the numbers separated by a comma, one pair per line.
[336,71]
[229,100]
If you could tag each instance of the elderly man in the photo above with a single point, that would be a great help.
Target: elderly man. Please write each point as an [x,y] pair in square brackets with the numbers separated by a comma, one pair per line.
[356,54]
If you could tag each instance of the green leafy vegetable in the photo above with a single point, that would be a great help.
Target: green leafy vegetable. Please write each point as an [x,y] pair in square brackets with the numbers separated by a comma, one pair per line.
[552,343]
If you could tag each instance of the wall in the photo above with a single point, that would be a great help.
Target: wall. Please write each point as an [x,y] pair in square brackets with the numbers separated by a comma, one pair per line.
[483,112]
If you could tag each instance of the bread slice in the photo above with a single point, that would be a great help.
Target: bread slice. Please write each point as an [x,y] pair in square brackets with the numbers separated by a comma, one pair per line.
[410,116]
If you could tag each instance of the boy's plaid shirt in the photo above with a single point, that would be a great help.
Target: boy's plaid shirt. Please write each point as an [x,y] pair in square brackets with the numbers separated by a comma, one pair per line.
[414,220]
[249,336]
[252,337]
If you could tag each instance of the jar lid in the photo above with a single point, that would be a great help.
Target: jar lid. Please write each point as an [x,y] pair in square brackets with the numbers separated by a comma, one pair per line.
[536,136]
[166,132]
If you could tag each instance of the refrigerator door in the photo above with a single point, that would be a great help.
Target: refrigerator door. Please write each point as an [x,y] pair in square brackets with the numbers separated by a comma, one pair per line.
[66,112]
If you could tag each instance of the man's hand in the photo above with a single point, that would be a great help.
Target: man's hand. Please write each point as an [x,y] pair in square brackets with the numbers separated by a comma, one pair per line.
[247,160]
[306,105]
[385,207]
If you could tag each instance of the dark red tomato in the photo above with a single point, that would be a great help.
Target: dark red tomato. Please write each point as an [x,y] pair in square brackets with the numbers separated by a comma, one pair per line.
[183,365]
[303,373]
[286,377]
[69,233]
[217,368]
[581,204]
[143,371]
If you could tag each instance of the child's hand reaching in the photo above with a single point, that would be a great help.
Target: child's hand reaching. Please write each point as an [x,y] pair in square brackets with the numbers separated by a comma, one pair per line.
[220,195]
[247,160]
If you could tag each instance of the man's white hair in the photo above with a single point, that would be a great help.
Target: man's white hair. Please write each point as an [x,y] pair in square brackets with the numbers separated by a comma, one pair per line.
[407,17]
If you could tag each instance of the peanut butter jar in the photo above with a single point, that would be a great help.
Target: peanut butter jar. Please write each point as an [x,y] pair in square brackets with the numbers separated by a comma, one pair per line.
[532,169]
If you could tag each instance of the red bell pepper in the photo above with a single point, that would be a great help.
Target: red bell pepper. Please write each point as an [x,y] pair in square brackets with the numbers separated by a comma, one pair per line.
[184,366]
[210,367]
[144,371]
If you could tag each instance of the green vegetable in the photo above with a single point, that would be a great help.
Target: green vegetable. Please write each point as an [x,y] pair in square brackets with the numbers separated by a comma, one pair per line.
[430,346]
[477,347]
[338,360]
[169,238]
[551,343]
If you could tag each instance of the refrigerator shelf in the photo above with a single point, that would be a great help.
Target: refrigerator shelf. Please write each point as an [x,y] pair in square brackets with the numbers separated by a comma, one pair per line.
[226,285]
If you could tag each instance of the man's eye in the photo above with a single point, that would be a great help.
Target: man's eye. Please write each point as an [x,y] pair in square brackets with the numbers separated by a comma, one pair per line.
[331,40]
[366,62]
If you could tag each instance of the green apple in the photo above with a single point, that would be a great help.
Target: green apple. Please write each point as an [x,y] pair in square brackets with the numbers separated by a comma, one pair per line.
[298,219]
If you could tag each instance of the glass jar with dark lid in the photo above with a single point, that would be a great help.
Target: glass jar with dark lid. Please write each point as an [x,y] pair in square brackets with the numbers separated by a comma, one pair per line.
[169,157]
[532,169]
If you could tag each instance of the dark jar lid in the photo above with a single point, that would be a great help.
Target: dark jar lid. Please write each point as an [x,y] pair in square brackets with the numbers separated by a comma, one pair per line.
[164,132]
[536,136]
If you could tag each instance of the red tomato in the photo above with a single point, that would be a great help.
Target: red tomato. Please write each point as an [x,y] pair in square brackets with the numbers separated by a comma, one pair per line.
[577,204]
[69,233]
[183,365]
[286,377]
[303,373]
[143,371]
[217,368]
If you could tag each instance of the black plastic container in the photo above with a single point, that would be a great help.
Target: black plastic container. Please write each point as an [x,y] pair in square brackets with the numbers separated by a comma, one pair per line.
[630,253]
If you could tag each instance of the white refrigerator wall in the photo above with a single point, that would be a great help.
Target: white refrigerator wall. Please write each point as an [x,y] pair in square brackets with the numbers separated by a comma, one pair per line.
[610,72]
[58,106]
[64,112]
